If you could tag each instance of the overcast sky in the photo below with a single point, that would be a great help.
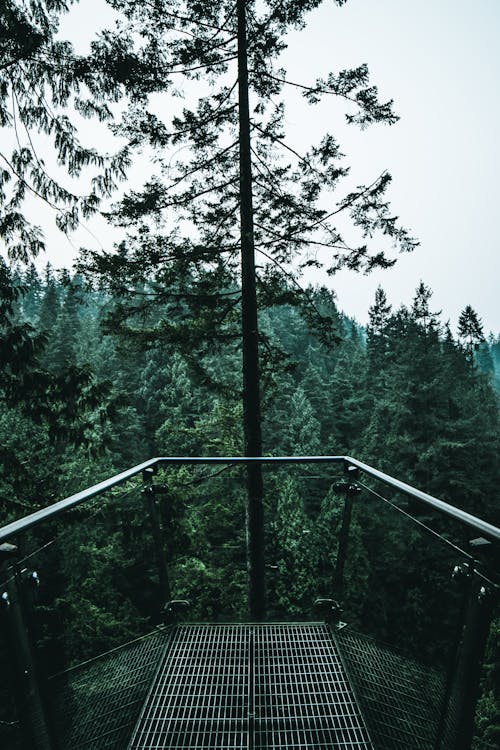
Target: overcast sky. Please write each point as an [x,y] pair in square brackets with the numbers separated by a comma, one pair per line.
[440,62]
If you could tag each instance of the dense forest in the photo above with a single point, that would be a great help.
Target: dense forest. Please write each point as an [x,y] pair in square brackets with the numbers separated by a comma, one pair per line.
[197,335]
[81,402]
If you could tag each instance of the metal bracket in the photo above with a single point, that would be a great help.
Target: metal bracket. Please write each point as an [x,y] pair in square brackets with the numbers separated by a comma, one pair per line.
[480,543]
[150,488]
[7,551]
[156,489]
[349,484]
[488,595]
[173,609]
[161,489]
[331,611]
[461,572]
[351,471]
[349,487]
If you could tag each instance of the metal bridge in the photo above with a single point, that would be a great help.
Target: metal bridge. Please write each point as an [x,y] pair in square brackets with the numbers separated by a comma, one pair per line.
[273,684]
[261,686]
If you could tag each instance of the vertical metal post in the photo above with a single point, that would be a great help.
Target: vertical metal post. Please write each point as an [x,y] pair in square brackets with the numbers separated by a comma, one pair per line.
[462,575]
[462,686]
[34,716]
[350,490]
[477,624]
[156,528]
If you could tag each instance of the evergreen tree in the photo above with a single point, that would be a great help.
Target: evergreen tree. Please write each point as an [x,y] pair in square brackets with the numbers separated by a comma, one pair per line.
[303,427]
[318,389]
[349,403]
[66,334]
[296,563]
[176,404]
[40,78]
[50,303]
[470,330]
[434,421]
[32,293]
[203,275]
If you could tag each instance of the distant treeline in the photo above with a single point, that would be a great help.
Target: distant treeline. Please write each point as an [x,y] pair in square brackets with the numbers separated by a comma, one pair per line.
[83,398]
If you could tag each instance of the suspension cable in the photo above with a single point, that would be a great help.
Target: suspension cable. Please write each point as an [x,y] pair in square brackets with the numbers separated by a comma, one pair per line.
[416,521]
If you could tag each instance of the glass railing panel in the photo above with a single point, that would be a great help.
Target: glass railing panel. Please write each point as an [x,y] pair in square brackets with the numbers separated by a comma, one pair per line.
[386,584]
[395,585]
[402,595]
[203,519]
[302,520]
[104,573]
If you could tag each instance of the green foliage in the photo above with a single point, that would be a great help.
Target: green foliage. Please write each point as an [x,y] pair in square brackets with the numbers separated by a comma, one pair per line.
[488,709]
[296,563]
[92,603]
[182,250]
[407,399]
[470,330]
[411,399]
[41,78]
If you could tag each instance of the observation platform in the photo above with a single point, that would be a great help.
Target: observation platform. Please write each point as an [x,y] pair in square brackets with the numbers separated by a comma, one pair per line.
[251,686]
[294,685]
[276,685]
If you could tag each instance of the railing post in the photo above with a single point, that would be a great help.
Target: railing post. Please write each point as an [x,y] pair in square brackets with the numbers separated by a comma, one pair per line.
[475,636]
[461,694]
[462,576]
[350,489]
[150,492]
[34,716]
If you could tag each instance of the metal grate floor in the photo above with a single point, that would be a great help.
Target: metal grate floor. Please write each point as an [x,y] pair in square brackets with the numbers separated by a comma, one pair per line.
[251,686]
[400,698]
[97,703]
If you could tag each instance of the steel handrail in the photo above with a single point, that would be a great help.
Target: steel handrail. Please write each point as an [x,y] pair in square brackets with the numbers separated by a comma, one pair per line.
[16,527]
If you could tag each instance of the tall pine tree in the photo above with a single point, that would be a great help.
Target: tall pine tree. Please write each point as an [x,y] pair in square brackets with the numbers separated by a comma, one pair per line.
[238,190]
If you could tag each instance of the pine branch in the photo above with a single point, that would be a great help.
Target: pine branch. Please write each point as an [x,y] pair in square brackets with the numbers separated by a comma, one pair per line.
[90,155]
[174,135]
[67,195]
[189,19]
[365,98]
[130,208]
[16,60]
[27,185]
[270,176]
[312,89]
[299,240]
[284,145]
[212,237]
[201,166]
[307,296]
[213,64]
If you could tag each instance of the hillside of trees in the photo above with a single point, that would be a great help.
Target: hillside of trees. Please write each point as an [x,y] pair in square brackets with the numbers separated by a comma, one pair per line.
[406,394]
[194,336]
[82,402]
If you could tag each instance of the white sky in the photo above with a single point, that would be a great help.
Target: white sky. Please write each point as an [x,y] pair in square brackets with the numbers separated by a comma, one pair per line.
[440,62]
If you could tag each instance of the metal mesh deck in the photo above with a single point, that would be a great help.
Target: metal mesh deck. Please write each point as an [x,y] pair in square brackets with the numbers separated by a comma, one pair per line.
[251,686]
[401,699]
[97,703]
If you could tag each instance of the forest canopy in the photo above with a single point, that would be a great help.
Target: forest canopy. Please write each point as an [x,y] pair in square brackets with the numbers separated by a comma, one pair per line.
[199,321]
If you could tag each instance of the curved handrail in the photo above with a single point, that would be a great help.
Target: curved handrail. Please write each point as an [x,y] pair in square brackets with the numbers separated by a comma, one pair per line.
[16,527]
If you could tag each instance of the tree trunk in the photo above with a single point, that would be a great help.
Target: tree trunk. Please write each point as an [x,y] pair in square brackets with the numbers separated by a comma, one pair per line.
[250,341]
